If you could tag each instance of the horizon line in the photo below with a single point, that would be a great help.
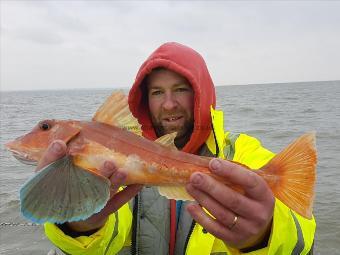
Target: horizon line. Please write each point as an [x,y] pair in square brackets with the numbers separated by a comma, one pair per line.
[124,88]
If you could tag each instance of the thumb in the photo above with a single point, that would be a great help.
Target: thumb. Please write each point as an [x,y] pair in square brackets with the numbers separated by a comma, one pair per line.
[55,150]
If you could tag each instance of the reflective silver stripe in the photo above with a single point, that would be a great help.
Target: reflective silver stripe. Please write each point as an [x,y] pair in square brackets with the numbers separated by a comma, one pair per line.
[229,149]
[114,234]
[300,244]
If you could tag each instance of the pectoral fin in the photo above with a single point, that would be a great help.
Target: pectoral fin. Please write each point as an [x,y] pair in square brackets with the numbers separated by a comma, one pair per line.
[168,140]
[62,192]
[174,192]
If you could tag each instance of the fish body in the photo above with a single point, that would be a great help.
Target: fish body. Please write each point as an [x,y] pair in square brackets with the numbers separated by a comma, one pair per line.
[91,143]
[77,190]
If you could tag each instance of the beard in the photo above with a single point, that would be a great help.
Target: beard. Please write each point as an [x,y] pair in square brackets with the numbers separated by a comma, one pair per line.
[184,127]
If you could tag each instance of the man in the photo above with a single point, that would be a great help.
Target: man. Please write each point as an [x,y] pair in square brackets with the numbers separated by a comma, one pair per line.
[173,92]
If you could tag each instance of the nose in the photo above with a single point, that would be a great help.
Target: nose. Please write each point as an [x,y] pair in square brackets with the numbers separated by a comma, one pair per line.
[169,102]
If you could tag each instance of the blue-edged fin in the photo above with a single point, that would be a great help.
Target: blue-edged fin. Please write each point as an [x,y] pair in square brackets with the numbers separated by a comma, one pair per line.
[62,192]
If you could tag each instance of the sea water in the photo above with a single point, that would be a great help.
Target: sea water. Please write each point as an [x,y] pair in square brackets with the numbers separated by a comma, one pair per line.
[274,113]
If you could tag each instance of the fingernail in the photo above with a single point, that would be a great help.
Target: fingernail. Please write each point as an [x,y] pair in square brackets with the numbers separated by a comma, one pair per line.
[56,147]
[197,179]
[120,175]
[108,165]
[215,165]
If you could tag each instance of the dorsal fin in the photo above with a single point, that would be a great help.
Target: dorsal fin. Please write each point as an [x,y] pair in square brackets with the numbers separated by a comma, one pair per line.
[115,112]
[168,140]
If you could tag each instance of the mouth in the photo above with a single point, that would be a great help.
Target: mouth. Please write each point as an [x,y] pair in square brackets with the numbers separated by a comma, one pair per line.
[172,119]
[23,158]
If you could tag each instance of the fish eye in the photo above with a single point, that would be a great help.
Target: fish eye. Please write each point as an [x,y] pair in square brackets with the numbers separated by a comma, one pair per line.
[44,126]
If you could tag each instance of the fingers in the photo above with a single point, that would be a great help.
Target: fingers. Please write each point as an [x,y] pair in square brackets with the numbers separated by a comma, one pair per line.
[238,233]
[55,150]
[203,188]
[253,185]
[117,178]
[121,198]
[117,201]
[110,171]
[225,217]
[238,218]
[212,226]
[97,220]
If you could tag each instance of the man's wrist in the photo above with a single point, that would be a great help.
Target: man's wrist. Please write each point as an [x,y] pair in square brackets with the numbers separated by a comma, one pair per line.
[73,233]
[259,245]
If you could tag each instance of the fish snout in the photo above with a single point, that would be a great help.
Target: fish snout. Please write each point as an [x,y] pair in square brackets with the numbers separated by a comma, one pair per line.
[19,152]
[11,145]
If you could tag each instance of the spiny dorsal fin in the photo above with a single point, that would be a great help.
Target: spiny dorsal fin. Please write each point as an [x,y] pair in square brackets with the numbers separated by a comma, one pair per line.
[115,112]
[175,192]
[168,140]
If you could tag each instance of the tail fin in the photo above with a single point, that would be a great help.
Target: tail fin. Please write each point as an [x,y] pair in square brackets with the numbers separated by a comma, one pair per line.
[63,192]
[291,174]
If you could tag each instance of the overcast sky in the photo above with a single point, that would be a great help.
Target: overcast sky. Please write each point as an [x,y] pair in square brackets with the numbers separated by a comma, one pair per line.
[101,44]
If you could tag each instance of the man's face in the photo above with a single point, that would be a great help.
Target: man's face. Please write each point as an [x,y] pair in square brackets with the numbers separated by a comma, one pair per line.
[171,102]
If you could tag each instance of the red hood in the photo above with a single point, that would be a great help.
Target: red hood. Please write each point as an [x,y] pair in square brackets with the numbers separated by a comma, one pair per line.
[190,64]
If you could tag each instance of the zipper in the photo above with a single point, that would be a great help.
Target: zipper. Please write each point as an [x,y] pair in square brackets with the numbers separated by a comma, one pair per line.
[216,145]
[193,223]
[139,204]
[135,222]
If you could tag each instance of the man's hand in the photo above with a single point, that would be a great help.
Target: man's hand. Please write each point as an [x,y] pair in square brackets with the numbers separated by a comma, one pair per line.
[240,220]
[57,149]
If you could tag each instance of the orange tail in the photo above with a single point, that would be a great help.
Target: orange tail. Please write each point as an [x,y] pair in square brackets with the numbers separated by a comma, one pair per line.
[291,175]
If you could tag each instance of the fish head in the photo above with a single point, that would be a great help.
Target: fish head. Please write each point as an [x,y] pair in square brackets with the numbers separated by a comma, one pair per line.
[30,147]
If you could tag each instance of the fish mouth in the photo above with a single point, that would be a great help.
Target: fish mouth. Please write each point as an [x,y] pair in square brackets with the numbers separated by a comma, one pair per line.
[23,158]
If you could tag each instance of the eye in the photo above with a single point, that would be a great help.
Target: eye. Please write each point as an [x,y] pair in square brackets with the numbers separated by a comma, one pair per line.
[155,92]
[182,89]
[45,126]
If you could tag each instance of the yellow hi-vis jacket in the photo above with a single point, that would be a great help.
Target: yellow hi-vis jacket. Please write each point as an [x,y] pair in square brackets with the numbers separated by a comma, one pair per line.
[290,233]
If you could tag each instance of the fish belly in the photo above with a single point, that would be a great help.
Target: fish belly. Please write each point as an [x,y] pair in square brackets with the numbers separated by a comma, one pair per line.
[93,155]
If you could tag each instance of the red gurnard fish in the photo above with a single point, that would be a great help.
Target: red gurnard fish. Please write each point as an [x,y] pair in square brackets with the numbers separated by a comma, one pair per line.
[72,189]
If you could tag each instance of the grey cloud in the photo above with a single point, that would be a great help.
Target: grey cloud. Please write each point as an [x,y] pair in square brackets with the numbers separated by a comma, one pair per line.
[41,22]
[63,17]
[242,42]
[37,35]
